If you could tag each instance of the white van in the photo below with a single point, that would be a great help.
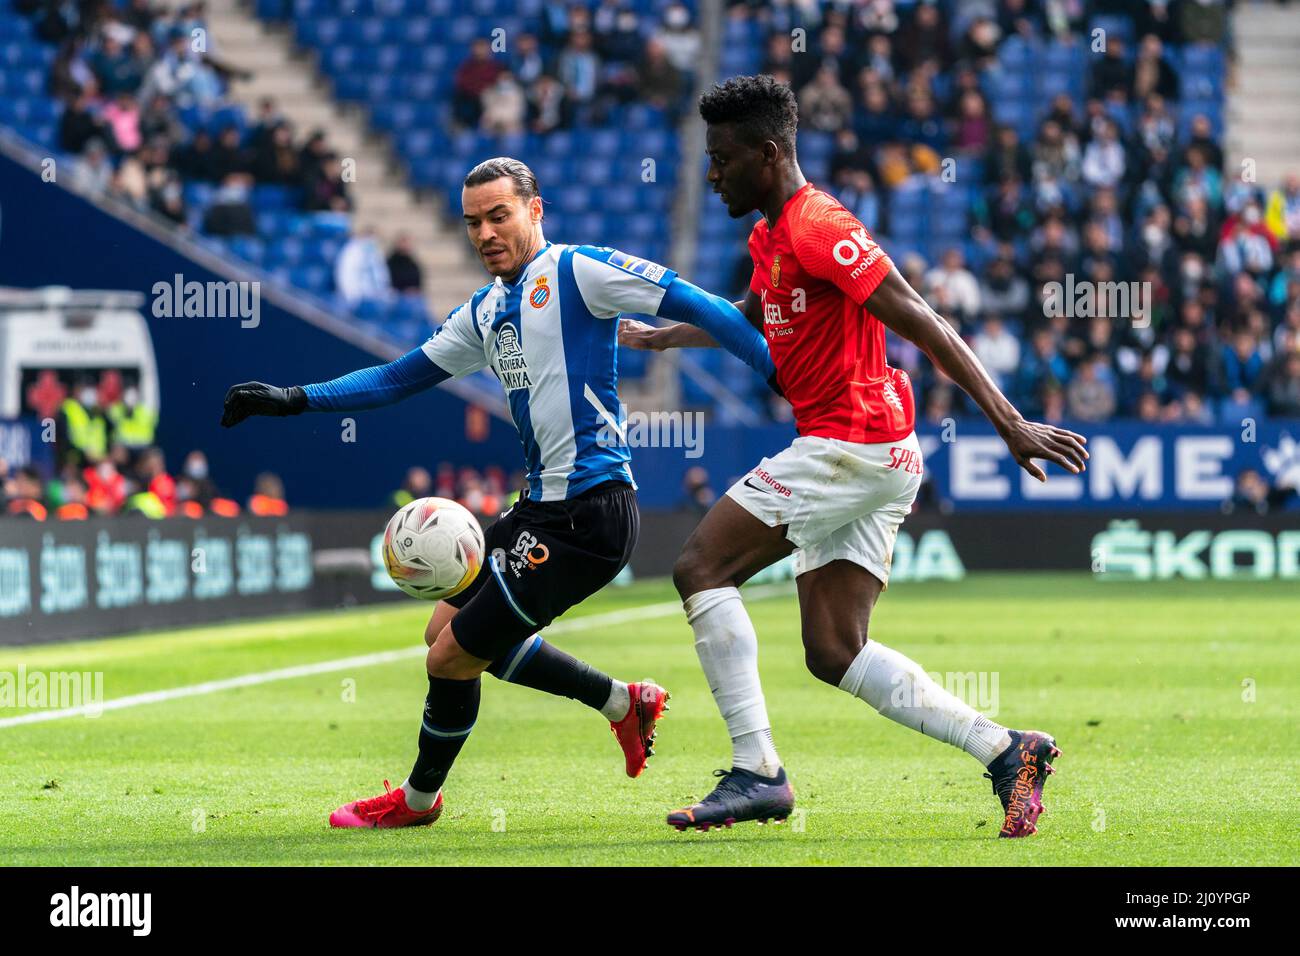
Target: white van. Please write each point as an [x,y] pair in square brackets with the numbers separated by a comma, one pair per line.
[72,332]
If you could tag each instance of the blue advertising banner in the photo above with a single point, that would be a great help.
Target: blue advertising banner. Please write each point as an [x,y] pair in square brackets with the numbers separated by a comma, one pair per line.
[1132,465]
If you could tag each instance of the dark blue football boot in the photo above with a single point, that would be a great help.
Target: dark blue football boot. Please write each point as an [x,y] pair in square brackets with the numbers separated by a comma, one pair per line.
[739,796]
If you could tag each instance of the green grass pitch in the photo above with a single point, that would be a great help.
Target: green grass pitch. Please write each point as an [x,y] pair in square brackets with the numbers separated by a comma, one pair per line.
[1176,705]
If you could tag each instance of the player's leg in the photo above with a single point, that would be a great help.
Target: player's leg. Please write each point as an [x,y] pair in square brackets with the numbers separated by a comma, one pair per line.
[461,651]
[744,532]
[788,499]
[633,708]
[583,544]
[442,615]
[729,546]
[535,663]
[450,710]
[835,604]
[838,589]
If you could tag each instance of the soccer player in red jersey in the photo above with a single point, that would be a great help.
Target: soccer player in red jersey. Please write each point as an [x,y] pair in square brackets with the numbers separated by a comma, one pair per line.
[823,293]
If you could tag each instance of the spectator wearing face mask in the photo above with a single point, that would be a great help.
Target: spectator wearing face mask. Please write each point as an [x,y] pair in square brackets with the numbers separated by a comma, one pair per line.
[105,488]
[85,428]
[505,107]
[1247,245]
[231,213]
[134,424]
[1091,394]
[197,493]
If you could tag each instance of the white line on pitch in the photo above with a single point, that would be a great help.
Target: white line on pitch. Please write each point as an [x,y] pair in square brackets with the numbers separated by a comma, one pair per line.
[644,612]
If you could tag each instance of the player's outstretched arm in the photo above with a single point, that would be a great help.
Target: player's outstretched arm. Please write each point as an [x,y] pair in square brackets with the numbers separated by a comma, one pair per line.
[635,334]
[362,389]
[721,322]
[679,335]
[902,309]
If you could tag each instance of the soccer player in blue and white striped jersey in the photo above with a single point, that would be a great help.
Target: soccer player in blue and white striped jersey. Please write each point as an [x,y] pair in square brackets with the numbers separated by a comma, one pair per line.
[547,326]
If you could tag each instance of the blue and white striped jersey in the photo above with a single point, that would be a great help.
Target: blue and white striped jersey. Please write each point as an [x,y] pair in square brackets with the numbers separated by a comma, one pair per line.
[551,337]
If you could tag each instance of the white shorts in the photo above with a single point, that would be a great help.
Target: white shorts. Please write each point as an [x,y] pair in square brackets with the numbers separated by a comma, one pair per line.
[839,500]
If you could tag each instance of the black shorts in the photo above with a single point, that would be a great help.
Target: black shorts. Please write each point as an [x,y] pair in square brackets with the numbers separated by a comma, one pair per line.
[543,557]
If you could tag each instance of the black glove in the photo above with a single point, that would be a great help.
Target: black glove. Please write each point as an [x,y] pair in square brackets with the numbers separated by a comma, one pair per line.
[256,398]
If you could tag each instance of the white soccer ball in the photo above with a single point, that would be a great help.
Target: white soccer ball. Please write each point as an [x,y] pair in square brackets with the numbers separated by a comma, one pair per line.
[433,548]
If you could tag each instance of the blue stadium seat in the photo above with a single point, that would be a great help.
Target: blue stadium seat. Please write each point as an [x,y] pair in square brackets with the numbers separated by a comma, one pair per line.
[1203,58]
[313,278]
[1016,54]
[1116,25]
[1062,58]
[248,248]
[198,195]
[327,225]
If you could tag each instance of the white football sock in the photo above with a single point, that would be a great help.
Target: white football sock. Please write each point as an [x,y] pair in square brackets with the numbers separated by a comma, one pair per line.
[417,799]
[728,649]
[899,689]
[755,751]
[619,702]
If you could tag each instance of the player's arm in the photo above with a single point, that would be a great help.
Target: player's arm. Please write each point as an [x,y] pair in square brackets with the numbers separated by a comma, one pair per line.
[680,335]
[355,391]
[454,349]
[719,321]
[901,308]
[612,282]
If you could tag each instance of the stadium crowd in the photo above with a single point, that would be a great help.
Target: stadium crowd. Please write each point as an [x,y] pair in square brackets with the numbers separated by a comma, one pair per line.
[106,461]
[1121,185]
[147,117]
[485,492]
[581,61]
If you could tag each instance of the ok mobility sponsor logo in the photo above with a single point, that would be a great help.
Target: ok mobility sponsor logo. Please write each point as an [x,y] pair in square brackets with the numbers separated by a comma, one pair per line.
[848,252]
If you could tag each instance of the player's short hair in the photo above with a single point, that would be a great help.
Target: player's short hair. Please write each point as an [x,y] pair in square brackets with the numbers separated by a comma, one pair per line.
[524,180]
[761,108]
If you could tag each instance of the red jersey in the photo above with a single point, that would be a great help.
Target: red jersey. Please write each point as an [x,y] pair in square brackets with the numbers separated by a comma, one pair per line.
[812,273]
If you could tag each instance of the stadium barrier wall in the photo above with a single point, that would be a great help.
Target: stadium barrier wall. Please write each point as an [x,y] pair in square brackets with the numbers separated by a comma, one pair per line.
[75,579]
[1126,546]
[85,579]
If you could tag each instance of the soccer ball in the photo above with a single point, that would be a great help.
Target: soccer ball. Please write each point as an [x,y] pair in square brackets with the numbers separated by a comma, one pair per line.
[433,548]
